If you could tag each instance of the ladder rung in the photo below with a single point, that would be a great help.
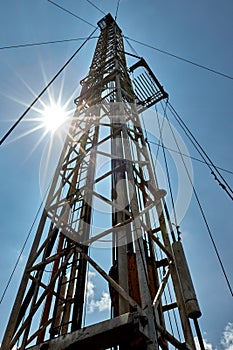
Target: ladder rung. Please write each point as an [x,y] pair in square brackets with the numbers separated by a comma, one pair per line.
[169,306]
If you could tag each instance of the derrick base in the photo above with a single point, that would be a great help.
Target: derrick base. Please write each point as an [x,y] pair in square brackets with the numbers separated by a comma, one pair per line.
[129,328]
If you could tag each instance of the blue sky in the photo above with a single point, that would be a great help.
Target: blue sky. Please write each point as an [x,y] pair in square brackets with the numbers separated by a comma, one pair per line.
[200,31]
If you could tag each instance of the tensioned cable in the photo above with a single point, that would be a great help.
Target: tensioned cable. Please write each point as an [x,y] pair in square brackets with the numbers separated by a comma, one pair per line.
[188,156]
[90,2]
[202,152]
[117,9]
[157,152]
[71,13]
[181,58]
[46,87]
[24,245]
[76,39]
[43,43]
[204,161]
[132,48]
[126,38]
[21,252]
[203,215]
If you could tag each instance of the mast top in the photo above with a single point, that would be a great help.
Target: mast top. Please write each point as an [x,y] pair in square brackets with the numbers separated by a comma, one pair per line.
[106,21]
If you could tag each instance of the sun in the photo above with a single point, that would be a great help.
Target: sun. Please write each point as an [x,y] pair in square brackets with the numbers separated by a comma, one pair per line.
[53,116]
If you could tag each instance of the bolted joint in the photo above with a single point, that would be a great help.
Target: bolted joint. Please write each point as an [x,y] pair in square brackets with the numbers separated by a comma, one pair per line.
[143,320]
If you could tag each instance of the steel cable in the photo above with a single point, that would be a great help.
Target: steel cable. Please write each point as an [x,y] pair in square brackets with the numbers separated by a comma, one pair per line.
[181,58]
[203,215]
[202,152]
[43,91]
[71,13]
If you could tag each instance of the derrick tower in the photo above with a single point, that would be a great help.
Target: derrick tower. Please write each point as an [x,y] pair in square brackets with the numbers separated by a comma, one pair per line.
[105,191]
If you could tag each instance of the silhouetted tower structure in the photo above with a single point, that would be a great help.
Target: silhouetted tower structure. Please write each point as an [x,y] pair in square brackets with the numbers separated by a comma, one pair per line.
[105,191]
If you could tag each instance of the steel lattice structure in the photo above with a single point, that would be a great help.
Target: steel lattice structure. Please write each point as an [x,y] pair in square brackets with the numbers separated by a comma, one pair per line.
[105,162]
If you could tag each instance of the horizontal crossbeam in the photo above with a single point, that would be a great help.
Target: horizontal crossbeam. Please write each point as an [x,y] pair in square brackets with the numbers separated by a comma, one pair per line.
[119,330]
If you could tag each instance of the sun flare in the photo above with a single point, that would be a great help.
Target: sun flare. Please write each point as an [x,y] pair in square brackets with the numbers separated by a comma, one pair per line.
[53,117]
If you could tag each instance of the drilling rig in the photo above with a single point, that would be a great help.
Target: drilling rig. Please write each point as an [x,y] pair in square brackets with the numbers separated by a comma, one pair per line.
[106,163]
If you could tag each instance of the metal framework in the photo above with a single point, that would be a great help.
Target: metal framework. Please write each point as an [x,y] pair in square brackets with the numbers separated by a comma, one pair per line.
[105,163]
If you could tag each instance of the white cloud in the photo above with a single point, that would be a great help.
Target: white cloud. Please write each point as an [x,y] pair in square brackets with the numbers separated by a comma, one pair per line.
[90,286]
[227,338]
[103,304]
[207,346]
